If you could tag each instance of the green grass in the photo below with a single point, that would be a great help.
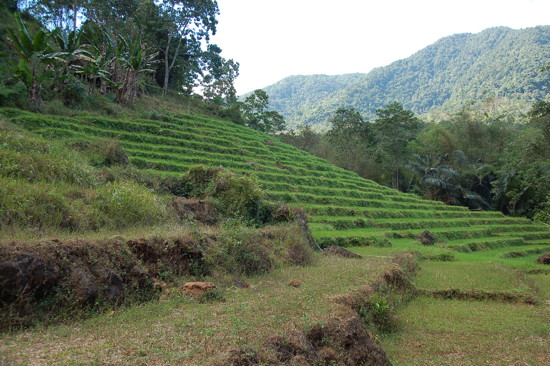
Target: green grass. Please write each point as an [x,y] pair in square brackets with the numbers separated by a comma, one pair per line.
[453,332]
[466,276]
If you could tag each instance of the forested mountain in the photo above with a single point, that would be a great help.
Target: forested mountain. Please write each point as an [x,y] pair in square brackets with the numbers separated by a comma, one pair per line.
[499,64]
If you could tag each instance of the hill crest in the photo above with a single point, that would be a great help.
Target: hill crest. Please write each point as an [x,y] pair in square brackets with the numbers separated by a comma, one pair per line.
[500,63]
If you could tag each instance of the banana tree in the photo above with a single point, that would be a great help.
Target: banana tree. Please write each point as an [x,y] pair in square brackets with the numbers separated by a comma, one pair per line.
[36,58]
[70,48]
[101,47]
[135,61]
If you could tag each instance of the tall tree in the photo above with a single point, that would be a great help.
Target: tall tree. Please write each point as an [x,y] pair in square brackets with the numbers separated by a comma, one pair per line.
[219,81]
[62,14]
[186,24]
[258,117]
[395,127]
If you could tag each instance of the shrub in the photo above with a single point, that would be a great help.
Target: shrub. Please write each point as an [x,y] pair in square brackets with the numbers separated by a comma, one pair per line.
[237,252]
[543,215]
[127,203]
[234,195]
[13,95]
[246,251]
[377,311]
[196,181]
[237,195]
[73,91]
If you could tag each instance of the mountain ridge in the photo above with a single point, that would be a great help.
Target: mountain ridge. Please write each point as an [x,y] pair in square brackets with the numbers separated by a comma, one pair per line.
[499,63]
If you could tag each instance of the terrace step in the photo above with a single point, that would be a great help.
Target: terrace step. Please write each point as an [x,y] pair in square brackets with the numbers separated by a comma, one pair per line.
[389,213]
[483,244]
[531,250]
[294,198]
[347,222]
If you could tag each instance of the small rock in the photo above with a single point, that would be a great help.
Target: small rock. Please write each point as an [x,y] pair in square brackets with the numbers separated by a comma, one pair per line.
[195,289]
[241,284]
[341,252]
[544,259]
[269,142]
[426,238]
[294,283]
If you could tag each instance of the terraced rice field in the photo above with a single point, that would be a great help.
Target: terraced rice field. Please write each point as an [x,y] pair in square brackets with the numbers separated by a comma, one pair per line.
[344,209]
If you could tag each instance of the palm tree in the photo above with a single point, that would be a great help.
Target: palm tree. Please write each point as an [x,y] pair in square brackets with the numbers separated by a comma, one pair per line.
[442,182]
[438,179]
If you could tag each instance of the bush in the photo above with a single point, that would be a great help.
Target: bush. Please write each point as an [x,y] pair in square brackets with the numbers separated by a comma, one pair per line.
[237,252]
[13,95]
[543,215]
[196,181]
[378,312]
[72,91]
[246,251]
[234,195]
[237,195]
[127,203]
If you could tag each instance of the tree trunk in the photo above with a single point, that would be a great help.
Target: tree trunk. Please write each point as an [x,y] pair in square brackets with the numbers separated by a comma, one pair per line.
[167,64]
[34,93]
[75,13]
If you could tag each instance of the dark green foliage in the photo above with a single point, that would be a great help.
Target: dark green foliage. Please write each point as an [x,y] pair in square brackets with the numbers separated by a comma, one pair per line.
[13,95]
[257,116]
[119,51]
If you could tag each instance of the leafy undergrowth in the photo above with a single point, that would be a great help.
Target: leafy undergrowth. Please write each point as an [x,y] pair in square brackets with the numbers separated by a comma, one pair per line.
[455,332]
[177,330]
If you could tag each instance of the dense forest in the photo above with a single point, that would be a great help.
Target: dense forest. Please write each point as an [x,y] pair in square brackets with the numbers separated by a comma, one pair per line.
[498,64]
[476,157]
[88,54]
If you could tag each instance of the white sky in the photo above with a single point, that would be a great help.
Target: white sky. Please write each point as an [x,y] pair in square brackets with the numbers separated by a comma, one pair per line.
[272,39]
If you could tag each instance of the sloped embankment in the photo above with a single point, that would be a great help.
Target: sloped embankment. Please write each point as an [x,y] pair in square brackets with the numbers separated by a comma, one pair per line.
[50,280]
[343,338]
[46,279]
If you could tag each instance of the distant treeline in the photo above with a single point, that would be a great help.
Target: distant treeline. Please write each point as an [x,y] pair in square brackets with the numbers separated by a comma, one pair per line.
[476,157]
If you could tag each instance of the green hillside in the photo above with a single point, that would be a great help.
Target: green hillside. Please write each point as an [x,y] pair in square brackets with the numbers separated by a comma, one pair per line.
[477,255]
[344,209]
[498,63]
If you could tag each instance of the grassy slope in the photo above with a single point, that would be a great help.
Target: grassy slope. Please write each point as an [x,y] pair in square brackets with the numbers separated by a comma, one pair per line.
[178,331]
[344,209]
